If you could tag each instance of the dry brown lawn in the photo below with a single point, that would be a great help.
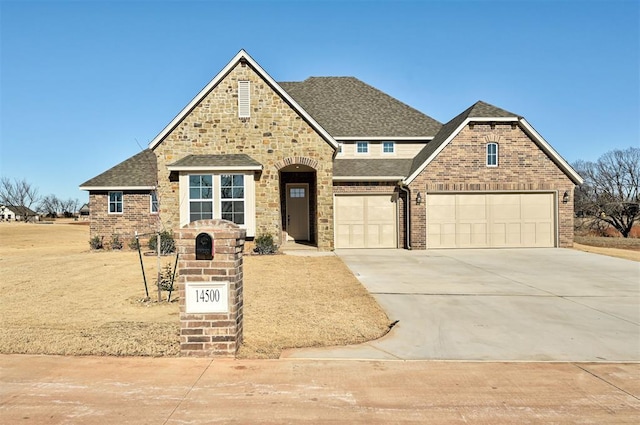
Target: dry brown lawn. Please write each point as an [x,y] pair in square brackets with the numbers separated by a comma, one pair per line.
[58,297]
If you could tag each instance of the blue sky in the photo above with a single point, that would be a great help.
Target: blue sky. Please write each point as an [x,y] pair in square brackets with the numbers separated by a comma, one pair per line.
[86,84]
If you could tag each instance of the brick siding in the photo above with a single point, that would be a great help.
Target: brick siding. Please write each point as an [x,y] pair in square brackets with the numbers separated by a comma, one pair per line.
[522,166]
[136,216]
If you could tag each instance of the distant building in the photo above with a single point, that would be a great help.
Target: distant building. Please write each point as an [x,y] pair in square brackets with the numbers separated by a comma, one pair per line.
[17,213]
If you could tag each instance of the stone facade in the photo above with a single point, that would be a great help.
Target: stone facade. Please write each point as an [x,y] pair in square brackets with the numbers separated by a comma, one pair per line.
[461,167]
[136,216]
[275,135]
[211,334]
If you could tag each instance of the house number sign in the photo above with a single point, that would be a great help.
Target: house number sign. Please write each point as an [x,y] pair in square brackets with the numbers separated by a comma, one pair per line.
[207,297]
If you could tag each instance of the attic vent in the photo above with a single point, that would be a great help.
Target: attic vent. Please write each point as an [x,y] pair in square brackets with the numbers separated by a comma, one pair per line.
[244,101]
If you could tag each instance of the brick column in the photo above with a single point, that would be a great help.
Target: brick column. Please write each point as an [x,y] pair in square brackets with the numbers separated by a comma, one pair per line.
[202,286]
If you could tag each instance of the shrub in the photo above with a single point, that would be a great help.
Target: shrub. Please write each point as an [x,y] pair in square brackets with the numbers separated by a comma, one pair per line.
[134,244]
[96,242]
[165,278]
[116,242]
[167,244]
[265,245]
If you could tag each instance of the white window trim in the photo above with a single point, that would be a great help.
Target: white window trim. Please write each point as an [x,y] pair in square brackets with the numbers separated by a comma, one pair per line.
[393,147]
[244,99]
[486,156]
[340,148]
[209,200]
[249,197]
[362,153]
[221,200]
[109,202]
[151,202]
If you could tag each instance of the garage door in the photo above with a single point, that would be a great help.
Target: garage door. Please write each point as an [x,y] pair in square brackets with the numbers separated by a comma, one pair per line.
[365,221]
[490,220]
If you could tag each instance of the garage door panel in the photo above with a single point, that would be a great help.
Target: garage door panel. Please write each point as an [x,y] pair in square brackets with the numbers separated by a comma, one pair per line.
[365,221]
[490,220]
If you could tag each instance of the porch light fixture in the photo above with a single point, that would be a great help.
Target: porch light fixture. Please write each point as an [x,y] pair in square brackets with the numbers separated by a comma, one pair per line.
[418,198]
[565,197]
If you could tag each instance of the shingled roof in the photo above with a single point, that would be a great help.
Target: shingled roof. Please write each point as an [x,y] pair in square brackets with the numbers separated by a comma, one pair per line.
[479,109]
[347,107]
[398,168]
[139,171]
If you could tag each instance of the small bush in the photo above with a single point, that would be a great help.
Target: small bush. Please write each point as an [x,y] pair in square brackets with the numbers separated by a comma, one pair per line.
[134,244]
[167,244]
[116,242]
[264,245]
[96,242]
[165,278]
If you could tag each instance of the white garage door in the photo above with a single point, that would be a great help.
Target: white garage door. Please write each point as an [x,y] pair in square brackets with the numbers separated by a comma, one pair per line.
[490,220]
[365,221]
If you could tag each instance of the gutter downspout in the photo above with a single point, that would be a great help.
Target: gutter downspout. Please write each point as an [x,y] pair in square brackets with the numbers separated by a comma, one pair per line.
[405,189]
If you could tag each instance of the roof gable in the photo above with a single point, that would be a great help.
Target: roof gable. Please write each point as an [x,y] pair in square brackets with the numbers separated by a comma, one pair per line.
[242,56]
[137,172]
[347,107]
[482,111]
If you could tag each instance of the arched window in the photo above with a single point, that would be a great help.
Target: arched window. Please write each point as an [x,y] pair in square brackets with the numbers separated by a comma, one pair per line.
[492,154]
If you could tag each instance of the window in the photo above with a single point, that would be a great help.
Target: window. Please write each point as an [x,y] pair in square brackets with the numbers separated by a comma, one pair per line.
[154,202]
[200,197]
[232,197]
[492,154]
[115,202]
[244,99]
[388,147]
[296,192]
[340,147]
[362,147]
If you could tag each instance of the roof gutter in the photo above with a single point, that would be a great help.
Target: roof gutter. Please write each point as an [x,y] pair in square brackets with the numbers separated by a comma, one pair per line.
[407,226]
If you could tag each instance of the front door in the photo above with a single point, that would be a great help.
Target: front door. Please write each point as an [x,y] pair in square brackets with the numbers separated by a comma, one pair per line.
[298,211]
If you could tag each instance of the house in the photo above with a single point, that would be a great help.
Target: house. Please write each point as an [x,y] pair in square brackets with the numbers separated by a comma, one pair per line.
[84,212]
[340,164]
[17,213]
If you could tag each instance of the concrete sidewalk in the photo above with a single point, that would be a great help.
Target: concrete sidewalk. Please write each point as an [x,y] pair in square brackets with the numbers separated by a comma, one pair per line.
[109,390]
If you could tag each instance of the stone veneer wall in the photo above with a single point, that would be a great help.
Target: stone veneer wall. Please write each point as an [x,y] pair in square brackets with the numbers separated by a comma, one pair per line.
[136,216]
[273,135]
[522,166]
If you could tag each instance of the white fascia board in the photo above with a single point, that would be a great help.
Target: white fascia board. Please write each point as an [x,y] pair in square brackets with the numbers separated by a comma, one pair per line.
[217,168]
[219,77]
[546,147]
[385,139]
[112,188]
[496,119]
[367,178]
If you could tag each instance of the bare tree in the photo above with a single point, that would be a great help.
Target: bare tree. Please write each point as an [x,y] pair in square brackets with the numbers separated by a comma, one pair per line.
[49,206]
[610,192]
[69,207]
[18,193]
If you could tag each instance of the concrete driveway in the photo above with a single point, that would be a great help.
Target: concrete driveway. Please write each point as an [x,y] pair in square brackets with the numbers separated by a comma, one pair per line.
[500,305]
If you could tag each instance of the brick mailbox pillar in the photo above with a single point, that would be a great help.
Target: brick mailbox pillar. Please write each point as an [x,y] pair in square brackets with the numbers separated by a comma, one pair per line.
[210,287]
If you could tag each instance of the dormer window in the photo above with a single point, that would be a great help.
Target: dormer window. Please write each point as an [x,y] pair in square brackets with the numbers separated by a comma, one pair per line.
[388,147]
[492,154]
[244,99]
[362,147]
